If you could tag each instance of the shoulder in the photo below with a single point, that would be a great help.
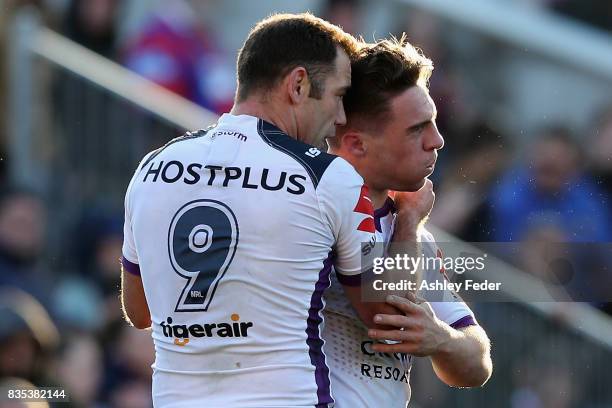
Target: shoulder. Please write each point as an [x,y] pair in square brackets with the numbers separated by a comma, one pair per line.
[315,162]
[342,180]
[185,137]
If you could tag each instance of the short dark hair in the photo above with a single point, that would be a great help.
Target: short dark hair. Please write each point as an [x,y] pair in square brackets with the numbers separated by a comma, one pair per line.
[281,42]
[381,71]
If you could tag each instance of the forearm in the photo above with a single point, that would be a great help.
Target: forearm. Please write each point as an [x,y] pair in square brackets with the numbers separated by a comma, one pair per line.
[133,301]
[405,247]
[464,359]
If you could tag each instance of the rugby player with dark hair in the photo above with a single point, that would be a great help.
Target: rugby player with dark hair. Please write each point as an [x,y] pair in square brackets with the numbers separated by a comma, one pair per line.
[391,138]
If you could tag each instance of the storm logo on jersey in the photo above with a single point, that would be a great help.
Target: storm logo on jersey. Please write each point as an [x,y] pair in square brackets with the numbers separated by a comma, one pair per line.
[182,332]
[364,206]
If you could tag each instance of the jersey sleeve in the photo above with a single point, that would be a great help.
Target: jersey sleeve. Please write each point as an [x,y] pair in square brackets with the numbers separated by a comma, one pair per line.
[450,308]
[346,206]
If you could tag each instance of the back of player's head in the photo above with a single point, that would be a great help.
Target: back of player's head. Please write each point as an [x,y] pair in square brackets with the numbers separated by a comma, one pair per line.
[282,42]
[380,72]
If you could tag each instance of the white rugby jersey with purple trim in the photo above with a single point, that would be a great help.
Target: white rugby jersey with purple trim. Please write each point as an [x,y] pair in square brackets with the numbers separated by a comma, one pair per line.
[360,377]
[231,230]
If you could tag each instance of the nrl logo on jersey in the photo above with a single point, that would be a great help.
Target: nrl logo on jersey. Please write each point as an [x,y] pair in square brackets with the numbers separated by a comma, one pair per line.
[182,333]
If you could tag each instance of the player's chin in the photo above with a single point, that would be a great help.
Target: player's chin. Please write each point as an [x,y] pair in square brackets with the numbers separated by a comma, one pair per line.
[411,185]
[420,184]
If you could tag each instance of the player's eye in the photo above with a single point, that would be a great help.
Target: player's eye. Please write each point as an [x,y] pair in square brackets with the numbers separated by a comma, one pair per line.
[418,128]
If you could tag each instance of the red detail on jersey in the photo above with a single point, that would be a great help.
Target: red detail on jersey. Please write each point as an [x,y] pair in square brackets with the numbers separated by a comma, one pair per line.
[367,225]
[364,205]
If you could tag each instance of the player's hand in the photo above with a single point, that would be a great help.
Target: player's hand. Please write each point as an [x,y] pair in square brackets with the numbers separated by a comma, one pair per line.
[414,206]
[419,332]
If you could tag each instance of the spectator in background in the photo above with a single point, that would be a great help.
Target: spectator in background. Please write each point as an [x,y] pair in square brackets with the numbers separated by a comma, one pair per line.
[174,51]
[23,221]
[91,23]
[550,190]
[547,203]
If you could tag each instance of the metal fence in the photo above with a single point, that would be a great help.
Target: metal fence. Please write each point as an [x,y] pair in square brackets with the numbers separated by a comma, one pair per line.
[79,125]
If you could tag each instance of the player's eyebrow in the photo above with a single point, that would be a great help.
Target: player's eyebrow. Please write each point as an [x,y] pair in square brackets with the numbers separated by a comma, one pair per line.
[418,125]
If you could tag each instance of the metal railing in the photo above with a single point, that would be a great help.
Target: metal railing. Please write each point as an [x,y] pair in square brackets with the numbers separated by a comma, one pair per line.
[560,38]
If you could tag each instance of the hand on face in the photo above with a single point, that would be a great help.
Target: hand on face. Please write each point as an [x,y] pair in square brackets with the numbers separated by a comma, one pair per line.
[414,206]
[418,330]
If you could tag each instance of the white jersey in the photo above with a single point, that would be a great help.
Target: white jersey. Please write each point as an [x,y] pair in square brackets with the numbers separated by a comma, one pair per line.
[361,377]
[232,231]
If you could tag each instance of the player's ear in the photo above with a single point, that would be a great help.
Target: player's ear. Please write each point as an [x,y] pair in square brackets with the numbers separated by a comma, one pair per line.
[298,85]
[353,143]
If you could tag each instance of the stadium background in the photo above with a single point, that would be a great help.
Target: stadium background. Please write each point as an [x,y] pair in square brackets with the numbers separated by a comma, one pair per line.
[524,94]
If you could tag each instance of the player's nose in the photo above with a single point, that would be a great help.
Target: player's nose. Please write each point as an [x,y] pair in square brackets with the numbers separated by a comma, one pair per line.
[435,140]
[340,116]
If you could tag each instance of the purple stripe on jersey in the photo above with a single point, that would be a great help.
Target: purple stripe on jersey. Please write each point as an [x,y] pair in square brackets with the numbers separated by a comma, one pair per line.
[130,267]
[464,322]
[314,341]
[356,280]
[349,280]
[388,206]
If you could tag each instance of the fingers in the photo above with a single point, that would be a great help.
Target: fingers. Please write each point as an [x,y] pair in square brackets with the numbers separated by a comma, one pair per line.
[394,320]
[414,298]
[416,203]
[403,304]
[395,348]
[394,335]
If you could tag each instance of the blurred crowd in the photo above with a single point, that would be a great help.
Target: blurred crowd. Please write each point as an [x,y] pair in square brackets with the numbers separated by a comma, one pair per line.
[59,311]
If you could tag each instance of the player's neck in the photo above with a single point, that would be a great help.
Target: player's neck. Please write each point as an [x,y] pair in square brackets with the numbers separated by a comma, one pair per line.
[268,111]
[378,197]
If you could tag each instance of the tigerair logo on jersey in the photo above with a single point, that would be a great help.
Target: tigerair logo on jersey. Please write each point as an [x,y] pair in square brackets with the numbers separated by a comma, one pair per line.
[183,333]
